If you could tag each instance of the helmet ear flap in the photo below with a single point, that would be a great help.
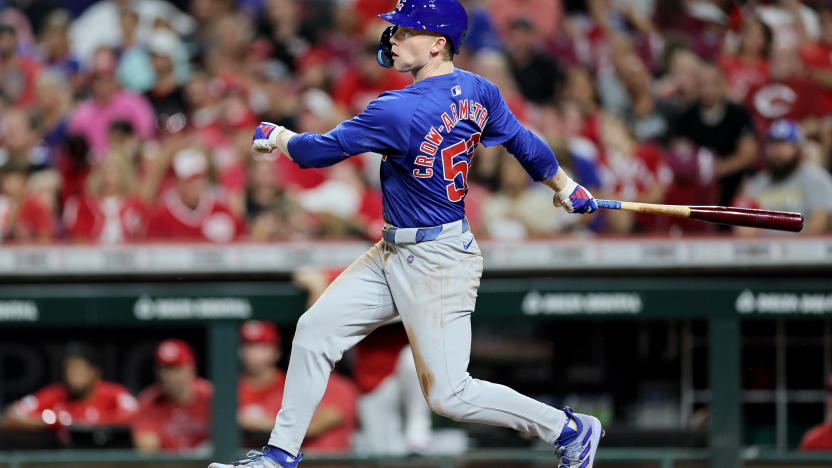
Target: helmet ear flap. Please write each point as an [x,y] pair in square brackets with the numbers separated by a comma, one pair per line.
[385,49]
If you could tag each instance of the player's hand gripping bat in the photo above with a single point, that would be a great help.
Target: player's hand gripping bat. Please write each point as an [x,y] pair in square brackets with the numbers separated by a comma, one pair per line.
[734,216]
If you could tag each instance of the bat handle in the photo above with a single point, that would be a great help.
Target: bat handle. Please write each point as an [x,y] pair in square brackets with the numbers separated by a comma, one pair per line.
[608,204]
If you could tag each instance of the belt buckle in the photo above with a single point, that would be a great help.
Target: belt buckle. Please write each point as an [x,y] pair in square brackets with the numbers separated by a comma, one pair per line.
[388,233]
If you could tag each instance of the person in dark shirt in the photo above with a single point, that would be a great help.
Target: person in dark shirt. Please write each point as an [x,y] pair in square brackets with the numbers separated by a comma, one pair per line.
[723,127]
[167,94]
[82,399]
[537,74]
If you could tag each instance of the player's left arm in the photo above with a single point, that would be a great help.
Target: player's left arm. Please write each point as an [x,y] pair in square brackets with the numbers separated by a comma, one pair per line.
[536,157]
[381,128]
[14,419]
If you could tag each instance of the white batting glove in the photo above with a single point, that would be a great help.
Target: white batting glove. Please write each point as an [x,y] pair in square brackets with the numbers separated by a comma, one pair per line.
[575,199]
[265,137]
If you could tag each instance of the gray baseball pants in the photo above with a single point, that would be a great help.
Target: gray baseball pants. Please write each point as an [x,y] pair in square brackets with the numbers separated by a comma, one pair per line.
[432,285]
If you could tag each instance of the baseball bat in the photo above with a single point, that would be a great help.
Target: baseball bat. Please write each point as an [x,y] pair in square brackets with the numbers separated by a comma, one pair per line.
[733,216]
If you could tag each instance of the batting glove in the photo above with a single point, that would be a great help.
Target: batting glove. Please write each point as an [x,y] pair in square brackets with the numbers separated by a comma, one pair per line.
[265,137]
[575,199]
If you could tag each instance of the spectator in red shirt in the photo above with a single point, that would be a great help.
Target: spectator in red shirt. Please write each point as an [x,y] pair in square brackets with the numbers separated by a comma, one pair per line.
[82,399]
[747,67]
[192,209]
[788,94]
[260,389]
[818,59]
[175,413]
[24,216]
[546,15]
[820,437]
[355,88]
[260,393]
[109,212]
[18,75]
[631,171]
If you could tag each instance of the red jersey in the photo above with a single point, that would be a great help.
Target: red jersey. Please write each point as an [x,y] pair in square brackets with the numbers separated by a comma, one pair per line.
[109,404]
[19,82]
[291,176]
[369,213]
[342,394]
[818,438]
[212,220]
[376,356]
[818,57]
[742,75]
[629,176]
[179,427]
[261,400]
[105,220]
[796,99]
[353,92]
[366,11]
[31,219]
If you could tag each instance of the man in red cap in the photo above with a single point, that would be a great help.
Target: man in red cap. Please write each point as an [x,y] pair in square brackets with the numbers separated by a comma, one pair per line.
[260,390]
[260,393]
[175,413]
[820,436]
[193,209]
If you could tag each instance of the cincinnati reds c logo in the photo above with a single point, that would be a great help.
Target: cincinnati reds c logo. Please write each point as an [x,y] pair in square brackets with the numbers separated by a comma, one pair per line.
[775,100]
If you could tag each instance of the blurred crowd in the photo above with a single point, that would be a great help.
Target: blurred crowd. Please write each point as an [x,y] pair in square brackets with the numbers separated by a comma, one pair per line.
[128,120]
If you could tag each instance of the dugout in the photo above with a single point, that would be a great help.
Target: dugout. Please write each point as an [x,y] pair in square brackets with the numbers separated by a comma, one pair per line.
[695,320]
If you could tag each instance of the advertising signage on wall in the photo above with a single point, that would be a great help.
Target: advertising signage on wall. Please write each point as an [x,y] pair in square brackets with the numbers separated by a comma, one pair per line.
[498,300]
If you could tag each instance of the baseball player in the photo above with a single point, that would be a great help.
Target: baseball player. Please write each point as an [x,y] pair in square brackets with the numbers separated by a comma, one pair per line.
[427,267]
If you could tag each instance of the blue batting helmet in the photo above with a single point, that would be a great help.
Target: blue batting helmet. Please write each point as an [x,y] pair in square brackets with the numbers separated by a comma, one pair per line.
[446,17]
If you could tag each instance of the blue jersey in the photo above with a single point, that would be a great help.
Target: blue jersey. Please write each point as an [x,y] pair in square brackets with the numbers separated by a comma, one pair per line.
[427,133]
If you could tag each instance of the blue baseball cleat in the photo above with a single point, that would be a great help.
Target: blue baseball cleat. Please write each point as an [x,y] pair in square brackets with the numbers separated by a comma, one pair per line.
[270,457]
[576,449]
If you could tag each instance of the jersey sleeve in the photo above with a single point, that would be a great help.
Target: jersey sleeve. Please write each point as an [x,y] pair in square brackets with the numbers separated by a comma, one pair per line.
[503,128]
[33,404]
[383,128]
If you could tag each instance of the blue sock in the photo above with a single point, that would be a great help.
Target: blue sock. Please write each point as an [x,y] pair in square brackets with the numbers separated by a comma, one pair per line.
[282,457]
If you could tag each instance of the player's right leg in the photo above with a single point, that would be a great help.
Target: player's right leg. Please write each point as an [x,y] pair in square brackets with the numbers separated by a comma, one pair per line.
[354,304]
